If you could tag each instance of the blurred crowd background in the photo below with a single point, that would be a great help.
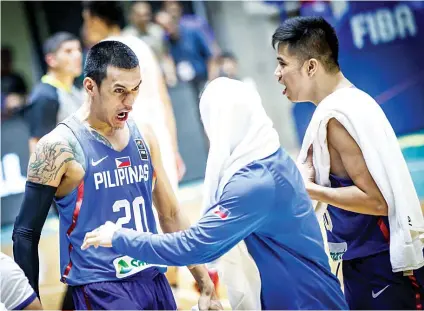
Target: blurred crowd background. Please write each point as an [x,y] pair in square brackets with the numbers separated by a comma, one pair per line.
[381,51]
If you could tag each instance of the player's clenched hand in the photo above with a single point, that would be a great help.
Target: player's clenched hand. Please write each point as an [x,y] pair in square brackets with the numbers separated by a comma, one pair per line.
[208,299]
[102,236]
[307,169]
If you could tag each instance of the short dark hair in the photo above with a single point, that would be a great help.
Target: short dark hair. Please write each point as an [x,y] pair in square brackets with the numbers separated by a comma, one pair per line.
[228,55]
[109,11]
[108,53]
[310,37]
[53,43]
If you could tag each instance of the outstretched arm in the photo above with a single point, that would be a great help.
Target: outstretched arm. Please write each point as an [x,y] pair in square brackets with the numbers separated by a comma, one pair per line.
[242,210]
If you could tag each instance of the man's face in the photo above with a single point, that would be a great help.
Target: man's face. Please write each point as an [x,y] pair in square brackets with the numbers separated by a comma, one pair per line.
[229,67]
[167,22]
[115,98]
[141,15]
[95,30]
[174,9]
[291,72]
[67,59]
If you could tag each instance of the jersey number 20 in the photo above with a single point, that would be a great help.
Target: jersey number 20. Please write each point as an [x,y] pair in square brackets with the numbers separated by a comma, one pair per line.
[137,205]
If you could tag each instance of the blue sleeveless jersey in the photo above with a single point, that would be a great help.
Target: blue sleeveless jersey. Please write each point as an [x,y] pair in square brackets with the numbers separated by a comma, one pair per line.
[351,235]
[117,187]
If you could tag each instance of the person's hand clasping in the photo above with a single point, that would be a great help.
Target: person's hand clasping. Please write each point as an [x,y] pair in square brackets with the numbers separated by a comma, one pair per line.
[307,169]
[102,236]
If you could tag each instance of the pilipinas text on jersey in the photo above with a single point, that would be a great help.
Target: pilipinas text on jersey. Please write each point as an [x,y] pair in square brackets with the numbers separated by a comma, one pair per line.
[117,187]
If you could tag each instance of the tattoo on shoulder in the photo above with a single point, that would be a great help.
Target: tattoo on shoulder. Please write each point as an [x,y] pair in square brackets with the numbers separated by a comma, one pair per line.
[101,138]
[44,167]
[45,164]
[76,149]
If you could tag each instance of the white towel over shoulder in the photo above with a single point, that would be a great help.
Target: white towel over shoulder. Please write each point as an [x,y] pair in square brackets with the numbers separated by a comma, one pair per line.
[367,124]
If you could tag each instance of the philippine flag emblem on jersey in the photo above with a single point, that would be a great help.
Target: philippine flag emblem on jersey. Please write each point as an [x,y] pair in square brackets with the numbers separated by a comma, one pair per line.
[221,212]
[123,162]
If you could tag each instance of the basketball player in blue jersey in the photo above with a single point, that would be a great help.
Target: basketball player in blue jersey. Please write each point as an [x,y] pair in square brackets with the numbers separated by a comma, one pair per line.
[255,198]
[99,166]
[356,219]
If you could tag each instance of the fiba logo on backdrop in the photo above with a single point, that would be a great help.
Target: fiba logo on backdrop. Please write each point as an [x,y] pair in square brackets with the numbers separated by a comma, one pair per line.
[383,25]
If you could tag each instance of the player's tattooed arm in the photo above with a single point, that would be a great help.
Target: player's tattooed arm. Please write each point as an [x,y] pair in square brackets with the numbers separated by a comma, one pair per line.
[49,162]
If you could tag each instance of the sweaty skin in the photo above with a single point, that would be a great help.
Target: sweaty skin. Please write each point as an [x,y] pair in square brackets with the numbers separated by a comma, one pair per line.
[347,160]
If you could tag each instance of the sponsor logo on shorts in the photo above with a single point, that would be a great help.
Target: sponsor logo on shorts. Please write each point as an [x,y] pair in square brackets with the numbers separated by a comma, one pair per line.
[123,267]
[126,266]
[337,250]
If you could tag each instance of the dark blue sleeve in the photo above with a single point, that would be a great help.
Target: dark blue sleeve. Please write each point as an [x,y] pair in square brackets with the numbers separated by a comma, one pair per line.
[27,229]
[242,209]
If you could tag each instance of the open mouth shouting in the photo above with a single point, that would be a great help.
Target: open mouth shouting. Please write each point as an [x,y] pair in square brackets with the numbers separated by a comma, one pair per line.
[122,116]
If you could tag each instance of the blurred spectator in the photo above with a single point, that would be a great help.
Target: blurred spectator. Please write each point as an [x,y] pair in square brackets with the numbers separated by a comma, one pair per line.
[13,87]
[101,20]
[287,9]
[85,47]
[55,97]
[190,51]
[228,67]
[175,9]
[143,28]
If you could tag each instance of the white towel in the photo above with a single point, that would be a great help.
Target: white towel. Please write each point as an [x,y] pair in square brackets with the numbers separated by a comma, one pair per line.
[239,133]
[367,124]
